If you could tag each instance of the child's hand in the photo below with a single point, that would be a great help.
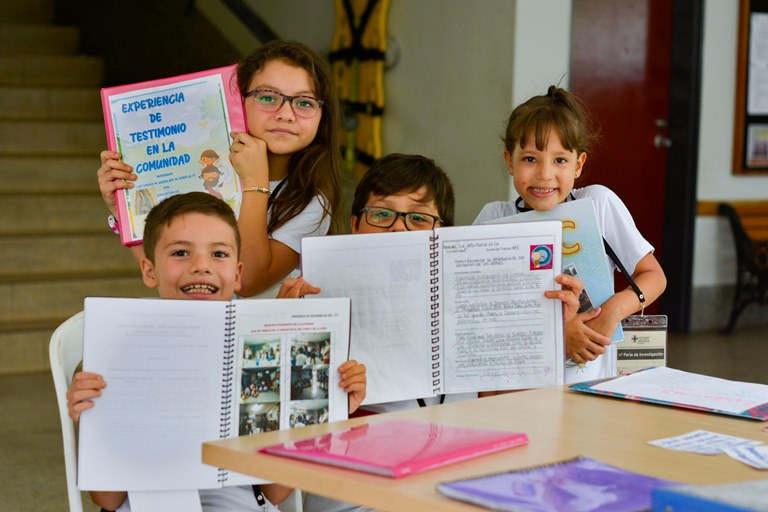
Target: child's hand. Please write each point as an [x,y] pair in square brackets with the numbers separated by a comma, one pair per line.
[582,343]
[111,176]
[354,382]
[569,294]
[248,156]
[606,322]
[295,287]
[85,386]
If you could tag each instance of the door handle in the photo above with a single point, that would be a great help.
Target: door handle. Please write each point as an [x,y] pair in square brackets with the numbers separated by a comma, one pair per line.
[660,141]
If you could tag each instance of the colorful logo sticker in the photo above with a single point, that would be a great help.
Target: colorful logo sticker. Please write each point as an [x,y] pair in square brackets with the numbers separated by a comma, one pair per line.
[541,257]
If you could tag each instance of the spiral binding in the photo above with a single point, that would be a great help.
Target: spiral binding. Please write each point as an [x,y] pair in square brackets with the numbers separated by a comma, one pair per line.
[225,416]
[434,298]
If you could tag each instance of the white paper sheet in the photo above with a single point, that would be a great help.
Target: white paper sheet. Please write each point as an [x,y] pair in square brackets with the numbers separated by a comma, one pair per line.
[159,401]
[676,386]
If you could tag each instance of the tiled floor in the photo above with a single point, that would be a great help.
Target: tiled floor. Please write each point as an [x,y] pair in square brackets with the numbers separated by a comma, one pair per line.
[31,460]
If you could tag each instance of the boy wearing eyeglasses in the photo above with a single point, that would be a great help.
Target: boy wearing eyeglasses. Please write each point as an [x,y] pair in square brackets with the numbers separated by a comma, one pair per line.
[402,192]
[408,192]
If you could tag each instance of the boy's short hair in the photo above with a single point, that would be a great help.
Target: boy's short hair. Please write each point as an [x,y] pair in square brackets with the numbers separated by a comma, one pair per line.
[398,174]
[167,210]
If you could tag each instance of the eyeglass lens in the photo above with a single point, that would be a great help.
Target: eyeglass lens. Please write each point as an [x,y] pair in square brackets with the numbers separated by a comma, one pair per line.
[271,101]
[384,217]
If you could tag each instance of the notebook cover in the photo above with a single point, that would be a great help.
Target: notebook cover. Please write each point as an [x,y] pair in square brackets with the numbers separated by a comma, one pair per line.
[749,496]
[575,484]
[206,107]
[397,448]
[759,412]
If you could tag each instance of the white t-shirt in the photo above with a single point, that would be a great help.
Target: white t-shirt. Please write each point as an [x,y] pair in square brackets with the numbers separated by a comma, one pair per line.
[311,221]
[619,230]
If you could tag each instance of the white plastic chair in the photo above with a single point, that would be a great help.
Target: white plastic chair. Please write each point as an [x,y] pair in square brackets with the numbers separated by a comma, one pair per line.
[66,352]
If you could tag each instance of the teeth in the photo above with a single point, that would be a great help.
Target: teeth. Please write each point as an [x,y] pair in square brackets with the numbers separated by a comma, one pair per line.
[199,288]
[543,190]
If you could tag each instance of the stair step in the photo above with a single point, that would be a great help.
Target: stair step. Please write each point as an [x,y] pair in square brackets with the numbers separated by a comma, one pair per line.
[28,257]
[62,297]
[42,214]
[28,11]
[26,350]
[61,174]
[51,138]
[43,103]
[53,70]
[38,39]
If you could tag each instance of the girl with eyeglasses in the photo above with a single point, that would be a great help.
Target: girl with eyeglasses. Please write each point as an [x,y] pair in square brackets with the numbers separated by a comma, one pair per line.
[292,150]
[289,162]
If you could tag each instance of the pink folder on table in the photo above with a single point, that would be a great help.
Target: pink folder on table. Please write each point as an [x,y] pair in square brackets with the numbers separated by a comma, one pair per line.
[174,132]
[397,448]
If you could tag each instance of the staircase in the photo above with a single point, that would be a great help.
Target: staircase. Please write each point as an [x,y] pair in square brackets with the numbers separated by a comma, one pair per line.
[55,246]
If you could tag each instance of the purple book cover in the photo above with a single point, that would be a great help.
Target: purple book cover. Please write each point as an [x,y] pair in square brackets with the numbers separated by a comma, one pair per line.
[576,485]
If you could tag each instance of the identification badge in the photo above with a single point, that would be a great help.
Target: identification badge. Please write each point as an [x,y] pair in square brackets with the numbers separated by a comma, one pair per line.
[645,343]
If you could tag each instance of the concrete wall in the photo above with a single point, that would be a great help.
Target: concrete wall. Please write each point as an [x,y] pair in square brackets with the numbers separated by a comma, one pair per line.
[464,64]
[453,86]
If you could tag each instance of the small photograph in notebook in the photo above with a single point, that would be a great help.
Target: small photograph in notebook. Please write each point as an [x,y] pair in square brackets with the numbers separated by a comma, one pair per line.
[258,418]
[261,351]
[755,456]
[260,385]
[308,412]
[585,303]
[703,442]
[310,378]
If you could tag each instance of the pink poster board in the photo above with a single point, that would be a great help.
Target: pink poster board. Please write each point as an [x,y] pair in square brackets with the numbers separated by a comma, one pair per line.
[174,132]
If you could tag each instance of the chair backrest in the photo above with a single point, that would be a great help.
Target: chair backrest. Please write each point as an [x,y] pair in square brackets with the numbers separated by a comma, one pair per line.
[66,352]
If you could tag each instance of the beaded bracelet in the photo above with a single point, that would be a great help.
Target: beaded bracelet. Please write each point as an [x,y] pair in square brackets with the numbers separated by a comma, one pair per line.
[257,189]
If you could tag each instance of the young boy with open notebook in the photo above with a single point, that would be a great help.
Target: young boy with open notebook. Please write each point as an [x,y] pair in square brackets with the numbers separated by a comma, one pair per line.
[193,246]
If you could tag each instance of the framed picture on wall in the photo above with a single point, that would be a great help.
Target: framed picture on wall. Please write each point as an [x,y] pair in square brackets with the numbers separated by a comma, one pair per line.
[750,143]
[757,146]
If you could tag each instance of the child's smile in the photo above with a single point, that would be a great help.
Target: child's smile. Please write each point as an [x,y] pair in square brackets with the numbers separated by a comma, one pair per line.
[195,258]
[545,177]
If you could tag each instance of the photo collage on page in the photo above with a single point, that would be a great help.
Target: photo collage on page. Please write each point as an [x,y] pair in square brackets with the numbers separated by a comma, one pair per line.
[260,390]
[310,366]
[260,385]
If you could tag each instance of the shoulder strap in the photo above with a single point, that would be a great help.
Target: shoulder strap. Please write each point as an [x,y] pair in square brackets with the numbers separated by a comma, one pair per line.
[275,192]
[611,254]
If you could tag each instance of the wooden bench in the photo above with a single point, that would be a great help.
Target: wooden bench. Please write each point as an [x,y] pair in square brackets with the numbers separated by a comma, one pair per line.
[749,225]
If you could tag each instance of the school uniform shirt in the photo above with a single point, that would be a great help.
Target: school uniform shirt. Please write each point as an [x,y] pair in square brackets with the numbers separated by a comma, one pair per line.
[619,230]
[311,221]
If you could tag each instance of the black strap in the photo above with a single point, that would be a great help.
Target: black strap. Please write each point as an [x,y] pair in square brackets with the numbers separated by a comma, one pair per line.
[356,49]
[520,205]
[275,192]
[422,403]
[260,499]
[608,250]
[611,254]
